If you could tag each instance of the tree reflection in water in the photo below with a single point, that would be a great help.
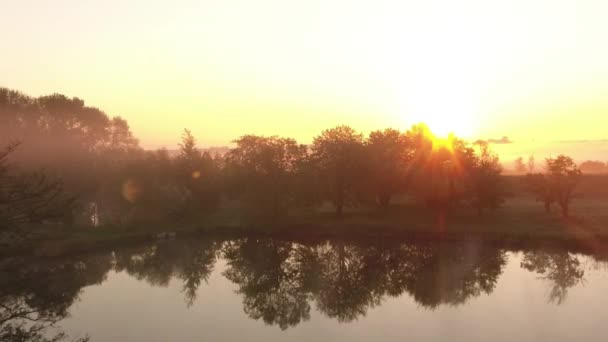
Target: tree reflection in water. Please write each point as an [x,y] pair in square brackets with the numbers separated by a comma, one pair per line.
[560,268]
[36,295]
[269,279]
[191,261]
[279,280]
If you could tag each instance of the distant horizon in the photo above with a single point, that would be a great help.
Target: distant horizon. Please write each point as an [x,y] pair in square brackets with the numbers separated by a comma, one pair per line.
[149,145]
[507,148]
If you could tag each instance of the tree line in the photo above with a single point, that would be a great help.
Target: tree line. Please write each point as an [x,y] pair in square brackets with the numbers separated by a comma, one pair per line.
[93,165]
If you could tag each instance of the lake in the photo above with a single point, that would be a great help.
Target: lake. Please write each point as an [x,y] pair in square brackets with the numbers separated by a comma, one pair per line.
[261,289]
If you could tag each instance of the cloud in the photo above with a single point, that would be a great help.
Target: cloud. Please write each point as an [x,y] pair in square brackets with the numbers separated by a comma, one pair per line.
[503,140]
[582,141]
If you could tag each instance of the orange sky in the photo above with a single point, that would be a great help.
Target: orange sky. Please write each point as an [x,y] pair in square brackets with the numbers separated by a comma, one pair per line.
[534,70]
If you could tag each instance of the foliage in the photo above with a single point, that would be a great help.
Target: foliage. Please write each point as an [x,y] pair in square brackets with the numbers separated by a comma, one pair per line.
[594,166]
[102,167]
[441,168]
[389,156]
[538,185]
[557,185]
[563,177]
[519,165]
[338,153]
[28,198]
[262,170]
[78,144]
[485,185]
[198,173]
[531,164]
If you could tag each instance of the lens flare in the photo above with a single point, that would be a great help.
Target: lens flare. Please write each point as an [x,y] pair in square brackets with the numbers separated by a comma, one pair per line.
[131,191]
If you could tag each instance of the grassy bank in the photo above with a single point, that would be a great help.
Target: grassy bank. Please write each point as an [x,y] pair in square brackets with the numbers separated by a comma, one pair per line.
[520,219]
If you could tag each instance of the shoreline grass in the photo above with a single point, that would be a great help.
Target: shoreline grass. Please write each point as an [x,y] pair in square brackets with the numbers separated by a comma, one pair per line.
[521,220]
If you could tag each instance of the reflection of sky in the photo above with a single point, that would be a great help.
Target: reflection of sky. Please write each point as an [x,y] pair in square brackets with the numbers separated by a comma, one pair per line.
[125,309]
[579,150]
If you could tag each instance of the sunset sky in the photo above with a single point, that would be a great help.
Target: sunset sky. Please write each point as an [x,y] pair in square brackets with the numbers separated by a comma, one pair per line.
[532,70]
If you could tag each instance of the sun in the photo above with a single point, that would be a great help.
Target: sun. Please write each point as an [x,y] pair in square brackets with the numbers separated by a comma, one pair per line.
[445,121]
[447,100]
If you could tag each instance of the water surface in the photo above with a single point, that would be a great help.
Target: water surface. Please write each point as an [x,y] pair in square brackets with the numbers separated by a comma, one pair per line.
[273,290]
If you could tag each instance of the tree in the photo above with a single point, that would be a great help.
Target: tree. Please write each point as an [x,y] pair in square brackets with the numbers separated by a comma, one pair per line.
[537,184]
[262,170]
[519,165]
[593,166]
[79,144]
[198,173]
[151,188]
[564,175]
[557,185]
[389,154]
[338,154]
[485,184]
[440,168]
[28,198]
[188,152]
[531,164]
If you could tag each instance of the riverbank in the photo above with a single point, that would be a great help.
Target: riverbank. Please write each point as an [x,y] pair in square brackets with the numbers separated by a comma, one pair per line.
[521,220]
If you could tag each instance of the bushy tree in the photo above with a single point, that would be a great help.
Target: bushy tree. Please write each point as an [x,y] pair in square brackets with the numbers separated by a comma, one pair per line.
[537,184]
[564,175]
[339,157]
[519,166]
[593,166]
[389,155]
[198,173]
[29,197]
[79,144]
[262,170]
[531,164]
[557,185]
[485,186]
[440,168]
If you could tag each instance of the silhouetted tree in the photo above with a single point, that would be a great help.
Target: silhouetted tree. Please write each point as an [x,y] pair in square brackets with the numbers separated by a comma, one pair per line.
[531,164]
[486,189]
[198,173]
[338,154]
[593,166]
[262,171]
[188,152]
[441,168]
[28,198]
[519,166]
[538,185]
[76,143]
[389,154]
[557,185]
[564,175]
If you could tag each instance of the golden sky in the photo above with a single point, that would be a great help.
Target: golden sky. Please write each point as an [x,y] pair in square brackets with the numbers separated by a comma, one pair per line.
[533,70]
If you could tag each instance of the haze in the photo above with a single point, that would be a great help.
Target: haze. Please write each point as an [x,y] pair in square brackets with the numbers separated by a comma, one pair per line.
[530,70]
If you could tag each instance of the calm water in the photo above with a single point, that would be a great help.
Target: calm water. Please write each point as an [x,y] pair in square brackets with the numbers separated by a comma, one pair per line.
[271,290]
